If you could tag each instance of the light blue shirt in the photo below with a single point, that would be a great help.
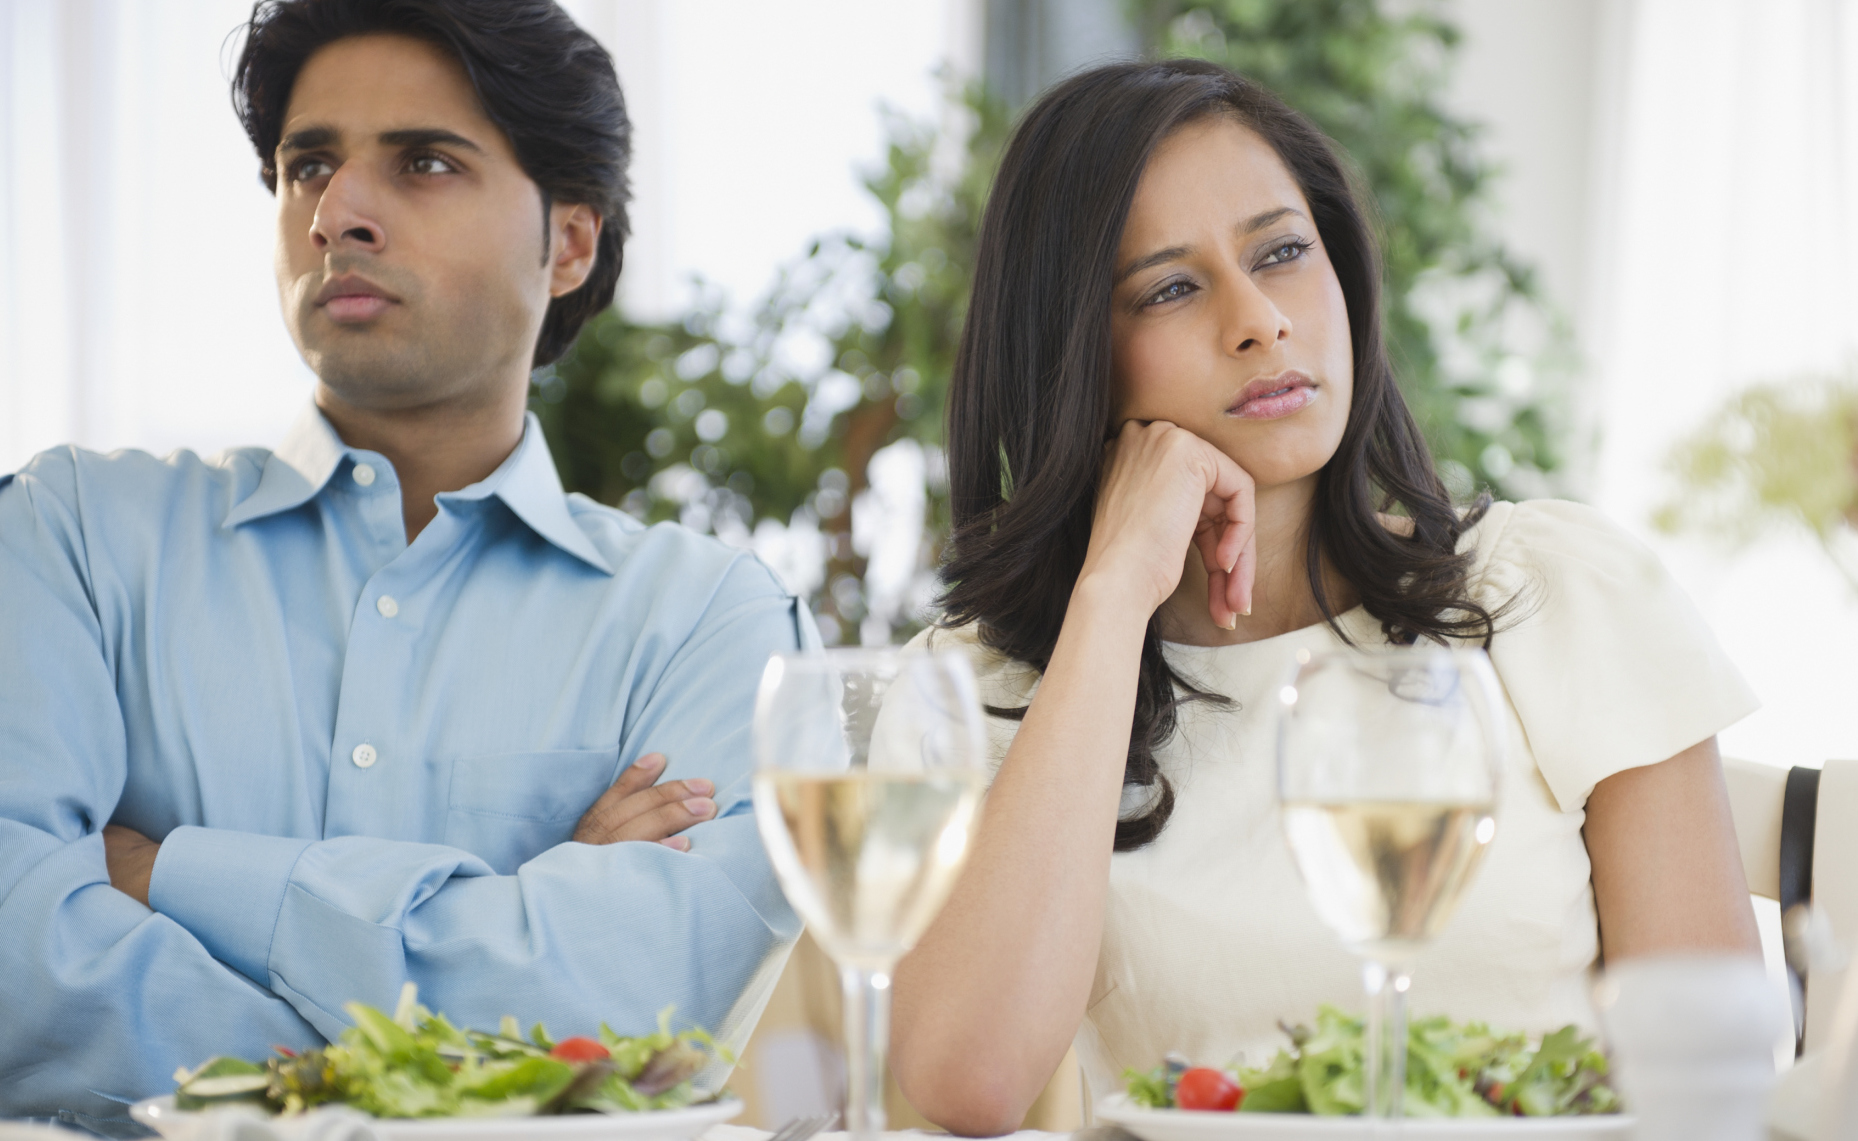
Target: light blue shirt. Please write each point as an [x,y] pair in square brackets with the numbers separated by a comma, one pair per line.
[363,758]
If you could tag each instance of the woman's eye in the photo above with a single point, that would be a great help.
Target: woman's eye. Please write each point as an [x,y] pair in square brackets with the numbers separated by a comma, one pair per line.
[1288,251]
[430,164]
[1173,291]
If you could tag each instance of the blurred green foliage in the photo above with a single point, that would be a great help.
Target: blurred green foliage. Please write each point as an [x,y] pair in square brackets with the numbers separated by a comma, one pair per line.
[724,421]
[1781,454]
[732,421]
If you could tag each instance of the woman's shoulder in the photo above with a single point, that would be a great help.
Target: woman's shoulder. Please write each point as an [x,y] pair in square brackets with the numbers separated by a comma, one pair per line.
[1534,544]
[1605,659]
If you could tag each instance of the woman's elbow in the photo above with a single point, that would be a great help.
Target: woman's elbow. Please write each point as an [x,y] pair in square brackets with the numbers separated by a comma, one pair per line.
[970,1097]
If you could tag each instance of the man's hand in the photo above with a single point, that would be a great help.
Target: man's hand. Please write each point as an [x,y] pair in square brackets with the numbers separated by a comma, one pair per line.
[131,859]
[636,809]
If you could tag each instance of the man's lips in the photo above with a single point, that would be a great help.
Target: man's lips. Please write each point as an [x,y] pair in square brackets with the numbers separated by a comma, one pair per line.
[350,300]
[1272,397]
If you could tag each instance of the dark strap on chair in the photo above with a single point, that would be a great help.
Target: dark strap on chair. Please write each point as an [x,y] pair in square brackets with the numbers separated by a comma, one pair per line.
[1799,813]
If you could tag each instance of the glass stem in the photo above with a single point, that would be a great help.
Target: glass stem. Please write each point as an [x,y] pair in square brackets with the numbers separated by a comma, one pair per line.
[1386,1039]
[867,1040]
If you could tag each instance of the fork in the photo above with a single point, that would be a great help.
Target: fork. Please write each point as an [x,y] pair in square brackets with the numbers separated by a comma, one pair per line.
[803,1128]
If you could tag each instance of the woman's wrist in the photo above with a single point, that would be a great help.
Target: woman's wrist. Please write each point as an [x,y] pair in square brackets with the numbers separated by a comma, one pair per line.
[1107,602]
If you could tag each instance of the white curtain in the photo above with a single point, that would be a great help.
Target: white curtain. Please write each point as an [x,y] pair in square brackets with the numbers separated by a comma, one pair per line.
[137,306]
[1725,254]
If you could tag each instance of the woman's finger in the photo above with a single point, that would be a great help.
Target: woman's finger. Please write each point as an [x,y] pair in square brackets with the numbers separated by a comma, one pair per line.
[1243,577]
[1217,606]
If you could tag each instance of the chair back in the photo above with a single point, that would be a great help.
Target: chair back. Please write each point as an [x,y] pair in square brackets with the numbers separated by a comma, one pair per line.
[1795,830]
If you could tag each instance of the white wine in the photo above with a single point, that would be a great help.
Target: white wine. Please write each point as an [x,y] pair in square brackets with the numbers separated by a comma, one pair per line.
[1386,875]
[867,858]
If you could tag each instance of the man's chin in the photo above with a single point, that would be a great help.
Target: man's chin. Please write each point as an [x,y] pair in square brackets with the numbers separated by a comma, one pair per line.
[376,376]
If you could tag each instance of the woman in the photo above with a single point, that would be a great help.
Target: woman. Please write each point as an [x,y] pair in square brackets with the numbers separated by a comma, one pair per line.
[1174,262]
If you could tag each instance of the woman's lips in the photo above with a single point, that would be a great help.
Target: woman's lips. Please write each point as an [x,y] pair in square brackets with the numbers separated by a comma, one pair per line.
[1273,398]
[355,307]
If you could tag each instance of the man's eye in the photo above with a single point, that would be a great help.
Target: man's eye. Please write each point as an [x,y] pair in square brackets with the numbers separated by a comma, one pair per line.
[306,169]
[430,164]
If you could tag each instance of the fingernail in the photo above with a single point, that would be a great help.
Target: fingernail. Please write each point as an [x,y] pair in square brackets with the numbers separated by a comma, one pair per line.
[700,786]
[1247,612]
[650,762]
[1232,623]
[1232,563]
[676,843]
[702,808]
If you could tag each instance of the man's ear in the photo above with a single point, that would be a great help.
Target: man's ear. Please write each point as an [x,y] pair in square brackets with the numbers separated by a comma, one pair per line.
[574,242]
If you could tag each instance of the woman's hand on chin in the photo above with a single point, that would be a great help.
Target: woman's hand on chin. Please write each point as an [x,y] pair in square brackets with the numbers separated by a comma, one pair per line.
[1162,488]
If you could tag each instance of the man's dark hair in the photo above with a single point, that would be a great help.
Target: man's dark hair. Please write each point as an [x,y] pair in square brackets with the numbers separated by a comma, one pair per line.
[547,84]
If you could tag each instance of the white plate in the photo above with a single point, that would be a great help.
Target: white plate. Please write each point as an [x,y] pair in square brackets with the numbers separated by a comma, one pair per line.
[1202,1125]
[159,1114]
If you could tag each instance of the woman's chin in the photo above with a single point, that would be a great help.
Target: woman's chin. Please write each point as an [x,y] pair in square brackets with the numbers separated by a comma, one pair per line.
[1279,467]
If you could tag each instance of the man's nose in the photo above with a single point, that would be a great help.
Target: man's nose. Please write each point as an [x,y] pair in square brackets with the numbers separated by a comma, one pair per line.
[347,215]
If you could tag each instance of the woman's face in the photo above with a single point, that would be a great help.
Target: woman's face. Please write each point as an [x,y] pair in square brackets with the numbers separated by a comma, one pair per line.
[1226,317]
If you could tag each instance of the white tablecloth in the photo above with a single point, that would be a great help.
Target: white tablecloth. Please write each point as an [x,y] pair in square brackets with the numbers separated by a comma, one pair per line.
[746,1133]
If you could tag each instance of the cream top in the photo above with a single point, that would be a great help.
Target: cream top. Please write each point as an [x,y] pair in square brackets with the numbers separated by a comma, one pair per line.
[1208,936]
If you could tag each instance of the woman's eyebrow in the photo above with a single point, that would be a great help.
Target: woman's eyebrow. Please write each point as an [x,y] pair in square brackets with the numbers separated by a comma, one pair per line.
[1156,258]
[1251,225]
[1259,221]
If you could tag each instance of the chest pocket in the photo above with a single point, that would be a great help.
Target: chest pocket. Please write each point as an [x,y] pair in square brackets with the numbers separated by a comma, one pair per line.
[508,808]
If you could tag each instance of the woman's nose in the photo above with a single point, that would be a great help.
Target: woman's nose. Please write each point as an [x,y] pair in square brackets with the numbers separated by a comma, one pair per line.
[1251,319]
[346,216]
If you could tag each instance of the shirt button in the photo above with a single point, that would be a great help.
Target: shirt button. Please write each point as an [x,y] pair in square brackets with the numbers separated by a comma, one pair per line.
[387,606]
[364,474]
[364,756]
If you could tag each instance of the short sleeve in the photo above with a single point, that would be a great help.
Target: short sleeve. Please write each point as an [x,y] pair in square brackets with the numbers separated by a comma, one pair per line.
[1002,683]
[1606,661]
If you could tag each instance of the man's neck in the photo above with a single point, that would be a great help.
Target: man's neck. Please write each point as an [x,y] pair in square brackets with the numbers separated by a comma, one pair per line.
[433,448]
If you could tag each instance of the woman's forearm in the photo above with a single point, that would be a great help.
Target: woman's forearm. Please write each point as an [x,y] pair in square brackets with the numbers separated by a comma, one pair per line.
[988,1002]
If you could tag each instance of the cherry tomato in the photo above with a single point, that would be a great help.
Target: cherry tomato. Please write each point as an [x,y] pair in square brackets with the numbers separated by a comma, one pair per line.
[579,1050]
[1203,1088]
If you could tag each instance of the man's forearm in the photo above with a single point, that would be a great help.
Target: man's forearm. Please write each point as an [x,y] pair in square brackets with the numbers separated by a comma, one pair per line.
[130,857]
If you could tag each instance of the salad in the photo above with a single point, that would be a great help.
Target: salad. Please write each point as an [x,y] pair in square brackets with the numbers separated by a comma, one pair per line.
[1451,1071]
[417,1064]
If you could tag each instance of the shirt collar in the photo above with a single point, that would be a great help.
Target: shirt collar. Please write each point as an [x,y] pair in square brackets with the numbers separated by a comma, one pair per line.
[530,487]
[296,471]
[526,482]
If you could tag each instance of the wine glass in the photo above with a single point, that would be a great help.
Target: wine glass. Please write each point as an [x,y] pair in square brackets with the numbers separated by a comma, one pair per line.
[1387,779]
[869,773]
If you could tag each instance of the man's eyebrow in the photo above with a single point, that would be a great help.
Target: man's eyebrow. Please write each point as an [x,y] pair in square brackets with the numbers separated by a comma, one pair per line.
[308,139]
[429,137]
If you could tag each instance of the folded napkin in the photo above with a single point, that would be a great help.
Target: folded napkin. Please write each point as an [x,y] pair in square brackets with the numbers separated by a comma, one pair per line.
[1693,1038]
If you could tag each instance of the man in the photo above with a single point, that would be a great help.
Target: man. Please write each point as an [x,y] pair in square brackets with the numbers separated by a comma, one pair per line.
[283,730]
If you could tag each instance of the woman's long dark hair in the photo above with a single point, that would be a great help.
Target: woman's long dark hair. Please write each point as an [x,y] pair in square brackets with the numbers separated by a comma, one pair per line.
[1030,401]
